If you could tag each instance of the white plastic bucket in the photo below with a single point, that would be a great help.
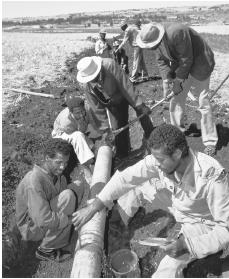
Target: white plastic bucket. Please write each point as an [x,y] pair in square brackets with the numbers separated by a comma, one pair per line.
[124,264]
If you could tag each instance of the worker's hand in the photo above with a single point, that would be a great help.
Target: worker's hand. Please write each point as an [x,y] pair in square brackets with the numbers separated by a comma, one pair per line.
[108,138]
[82,216]
[177,86]
[177,248]
[143,109]
[167,87]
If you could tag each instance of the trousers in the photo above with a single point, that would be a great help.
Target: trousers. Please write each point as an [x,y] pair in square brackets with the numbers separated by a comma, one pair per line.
[177,109]
[138,63]
[65,202]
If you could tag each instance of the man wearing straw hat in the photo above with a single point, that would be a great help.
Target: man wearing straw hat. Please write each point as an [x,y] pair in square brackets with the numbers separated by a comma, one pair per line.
[186,62]
[109,94]
[139,66]
[102,48]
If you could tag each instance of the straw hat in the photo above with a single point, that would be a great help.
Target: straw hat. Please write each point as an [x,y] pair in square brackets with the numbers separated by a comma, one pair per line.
[88,68]
[150,35]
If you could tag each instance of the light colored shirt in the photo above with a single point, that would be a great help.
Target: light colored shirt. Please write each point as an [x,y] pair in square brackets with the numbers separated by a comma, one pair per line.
[201,196]
[103,49]
[130,35]
[33,196]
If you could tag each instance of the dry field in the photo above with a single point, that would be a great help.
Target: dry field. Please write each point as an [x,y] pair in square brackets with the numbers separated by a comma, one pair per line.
[31,59]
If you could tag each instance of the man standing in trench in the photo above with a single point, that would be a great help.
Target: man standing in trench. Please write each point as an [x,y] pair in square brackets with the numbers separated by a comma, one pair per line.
[109,94]
[194,184]
[185,62]
[139,66]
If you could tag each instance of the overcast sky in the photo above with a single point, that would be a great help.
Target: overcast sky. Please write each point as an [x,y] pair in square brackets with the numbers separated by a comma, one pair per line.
[12,9]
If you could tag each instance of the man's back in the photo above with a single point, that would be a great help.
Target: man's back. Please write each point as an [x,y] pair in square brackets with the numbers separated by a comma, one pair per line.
[131,33]
[183,40]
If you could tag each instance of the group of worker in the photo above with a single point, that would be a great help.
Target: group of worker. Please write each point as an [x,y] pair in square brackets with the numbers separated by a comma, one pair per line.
[192,185]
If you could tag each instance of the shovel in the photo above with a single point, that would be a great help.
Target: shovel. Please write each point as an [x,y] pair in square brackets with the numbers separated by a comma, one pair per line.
[118,131]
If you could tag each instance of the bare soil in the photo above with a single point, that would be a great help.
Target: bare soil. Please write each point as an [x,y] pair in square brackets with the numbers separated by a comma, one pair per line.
[25,129]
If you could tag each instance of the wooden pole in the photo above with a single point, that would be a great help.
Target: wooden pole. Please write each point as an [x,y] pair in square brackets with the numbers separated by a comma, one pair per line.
[32,93]
[89,248]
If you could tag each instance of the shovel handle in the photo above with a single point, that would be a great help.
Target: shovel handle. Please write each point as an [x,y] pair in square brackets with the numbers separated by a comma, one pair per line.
[118,131]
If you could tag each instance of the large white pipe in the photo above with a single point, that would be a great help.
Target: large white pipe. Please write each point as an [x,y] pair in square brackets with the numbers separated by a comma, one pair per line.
[89,248]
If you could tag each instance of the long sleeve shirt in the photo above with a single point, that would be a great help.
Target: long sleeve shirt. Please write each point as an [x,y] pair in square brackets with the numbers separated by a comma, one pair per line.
[183,51]
[115,87]
[201,196]
[103,49]
[130,35]
[33,196]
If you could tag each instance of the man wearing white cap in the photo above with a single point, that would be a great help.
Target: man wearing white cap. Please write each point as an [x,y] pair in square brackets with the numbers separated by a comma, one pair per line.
[186,62]
[139,66]
[102,48]
[109,94]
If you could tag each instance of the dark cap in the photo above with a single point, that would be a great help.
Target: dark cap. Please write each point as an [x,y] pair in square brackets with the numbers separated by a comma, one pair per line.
[73,101]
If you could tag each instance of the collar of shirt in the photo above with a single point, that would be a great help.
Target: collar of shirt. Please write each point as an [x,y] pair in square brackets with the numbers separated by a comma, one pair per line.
[187,182]
[53,179]
[164,49]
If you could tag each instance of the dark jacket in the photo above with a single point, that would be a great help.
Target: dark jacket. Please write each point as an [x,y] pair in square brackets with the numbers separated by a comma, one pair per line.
[183,51]
[115,89]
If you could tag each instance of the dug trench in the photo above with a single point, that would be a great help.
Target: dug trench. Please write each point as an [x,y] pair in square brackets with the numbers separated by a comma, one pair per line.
[25,129]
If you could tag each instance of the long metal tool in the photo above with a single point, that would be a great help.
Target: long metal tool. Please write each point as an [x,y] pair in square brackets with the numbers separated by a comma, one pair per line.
[216,90]
[118,131]
[109,119]
[32,93]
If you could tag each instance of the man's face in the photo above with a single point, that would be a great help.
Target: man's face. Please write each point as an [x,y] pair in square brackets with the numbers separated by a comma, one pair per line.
[102,36]
[81,116]
[167,163]
[79,112]
[57,164]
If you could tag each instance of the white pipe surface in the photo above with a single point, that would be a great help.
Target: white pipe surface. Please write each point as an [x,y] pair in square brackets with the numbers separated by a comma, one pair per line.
[89,248]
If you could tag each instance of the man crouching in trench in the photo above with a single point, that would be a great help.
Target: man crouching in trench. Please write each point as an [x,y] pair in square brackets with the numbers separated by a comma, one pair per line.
[194,184]
[45,203]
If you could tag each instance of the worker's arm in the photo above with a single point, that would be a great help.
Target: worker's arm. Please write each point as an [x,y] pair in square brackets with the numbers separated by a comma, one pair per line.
[40,210]
[184,52]
[125,40]
[217,238]
[97,110]
[119,184]
[99,47]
